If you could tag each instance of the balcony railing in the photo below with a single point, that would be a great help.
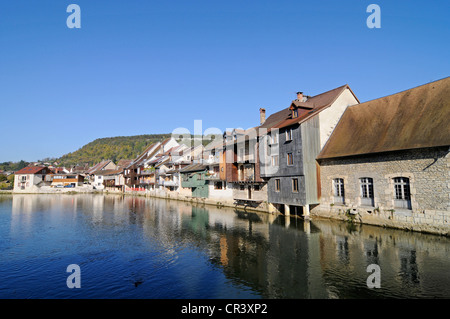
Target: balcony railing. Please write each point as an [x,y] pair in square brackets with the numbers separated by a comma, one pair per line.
[170,183]
[215,176]
[147,172]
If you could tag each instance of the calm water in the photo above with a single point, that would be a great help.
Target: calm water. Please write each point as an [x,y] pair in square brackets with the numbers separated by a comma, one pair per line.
[135,247]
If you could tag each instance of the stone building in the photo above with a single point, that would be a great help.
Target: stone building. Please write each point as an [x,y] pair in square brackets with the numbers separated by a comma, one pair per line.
[387,161]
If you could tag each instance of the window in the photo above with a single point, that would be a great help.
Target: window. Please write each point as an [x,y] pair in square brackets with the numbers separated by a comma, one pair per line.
[290,159]
[274,138]
[294,113]
[275,160]
[218,185]
[257,187]
[241,187]
[241,153]
[295,185]
[366,185]
[277,185]
[289,135]
[338,190]
[402,193]
[24,178]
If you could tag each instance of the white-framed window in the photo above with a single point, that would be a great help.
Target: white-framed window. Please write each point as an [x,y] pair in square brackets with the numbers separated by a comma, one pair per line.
[241,153]
[366,186]
[275,160]
[402,193]
[288,134]
[338,190]
[274,138]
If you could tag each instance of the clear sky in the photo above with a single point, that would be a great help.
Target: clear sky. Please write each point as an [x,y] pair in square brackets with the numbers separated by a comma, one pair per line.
[142,67]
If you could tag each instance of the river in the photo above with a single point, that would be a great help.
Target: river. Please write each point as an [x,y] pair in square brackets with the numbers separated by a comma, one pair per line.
[137,247]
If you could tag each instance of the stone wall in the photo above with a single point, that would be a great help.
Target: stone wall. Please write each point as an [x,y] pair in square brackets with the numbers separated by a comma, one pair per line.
[428,171]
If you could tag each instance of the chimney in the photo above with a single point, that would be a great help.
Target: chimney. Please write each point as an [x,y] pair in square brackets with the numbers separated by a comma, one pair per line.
[262,115]
[300,96]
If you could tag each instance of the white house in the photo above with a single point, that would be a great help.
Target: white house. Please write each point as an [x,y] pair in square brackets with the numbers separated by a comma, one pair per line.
[29,179]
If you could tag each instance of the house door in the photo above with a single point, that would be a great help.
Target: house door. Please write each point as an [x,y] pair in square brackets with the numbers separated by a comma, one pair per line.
[249,192]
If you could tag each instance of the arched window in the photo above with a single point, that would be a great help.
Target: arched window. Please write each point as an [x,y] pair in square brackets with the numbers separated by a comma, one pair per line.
[338,190]
[402,193]
[366,185]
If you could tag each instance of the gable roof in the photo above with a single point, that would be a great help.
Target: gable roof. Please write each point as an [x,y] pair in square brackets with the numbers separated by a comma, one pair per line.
[415,118]
[144,155]
[310,108]
[98,166]
[30,170]
[108,172]
[123,163]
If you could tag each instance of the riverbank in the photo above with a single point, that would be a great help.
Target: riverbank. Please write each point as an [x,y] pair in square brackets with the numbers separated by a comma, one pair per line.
[428,221]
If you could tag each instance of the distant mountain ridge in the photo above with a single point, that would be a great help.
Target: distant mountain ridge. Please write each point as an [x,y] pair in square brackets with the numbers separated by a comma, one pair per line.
[111,148]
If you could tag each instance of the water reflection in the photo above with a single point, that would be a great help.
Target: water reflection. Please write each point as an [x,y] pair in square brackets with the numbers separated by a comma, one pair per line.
[170,249]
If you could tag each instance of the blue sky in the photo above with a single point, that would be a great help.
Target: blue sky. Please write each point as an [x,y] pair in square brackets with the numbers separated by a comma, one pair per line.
[142,67]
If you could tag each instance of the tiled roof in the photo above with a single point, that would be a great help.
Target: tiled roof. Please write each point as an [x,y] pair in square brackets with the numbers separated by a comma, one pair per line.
[98,166]
[30,170]
[415,118]
[108,172]
[310,108]
[123,163]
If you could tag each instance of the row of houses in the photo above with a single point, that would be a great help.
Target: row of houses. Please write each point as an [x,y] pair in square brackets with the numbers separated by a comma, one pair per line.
[326,153]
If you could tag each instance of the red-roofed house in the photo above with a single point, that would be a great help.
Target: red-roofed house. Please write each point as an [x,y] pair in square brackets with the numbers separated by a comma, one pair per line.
[30,178]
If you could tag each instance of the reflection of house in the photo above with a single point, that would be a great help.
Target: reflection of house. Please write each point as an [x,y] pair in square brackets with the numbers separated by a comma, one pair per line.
[30,178]
[392,154]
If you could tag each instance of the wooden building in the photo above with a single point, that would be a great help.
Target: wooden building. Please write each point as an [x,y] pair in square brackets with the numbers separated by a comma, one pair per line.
[294,138]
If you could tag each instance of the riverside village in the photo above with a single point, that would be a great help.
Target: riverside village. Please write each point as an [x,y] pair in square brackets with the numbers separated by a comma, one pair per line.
[384,162]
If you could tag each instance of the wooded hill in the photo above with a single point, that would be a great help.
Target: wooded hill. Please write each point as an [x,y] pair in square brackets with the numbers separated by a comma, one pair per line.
[110,148]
